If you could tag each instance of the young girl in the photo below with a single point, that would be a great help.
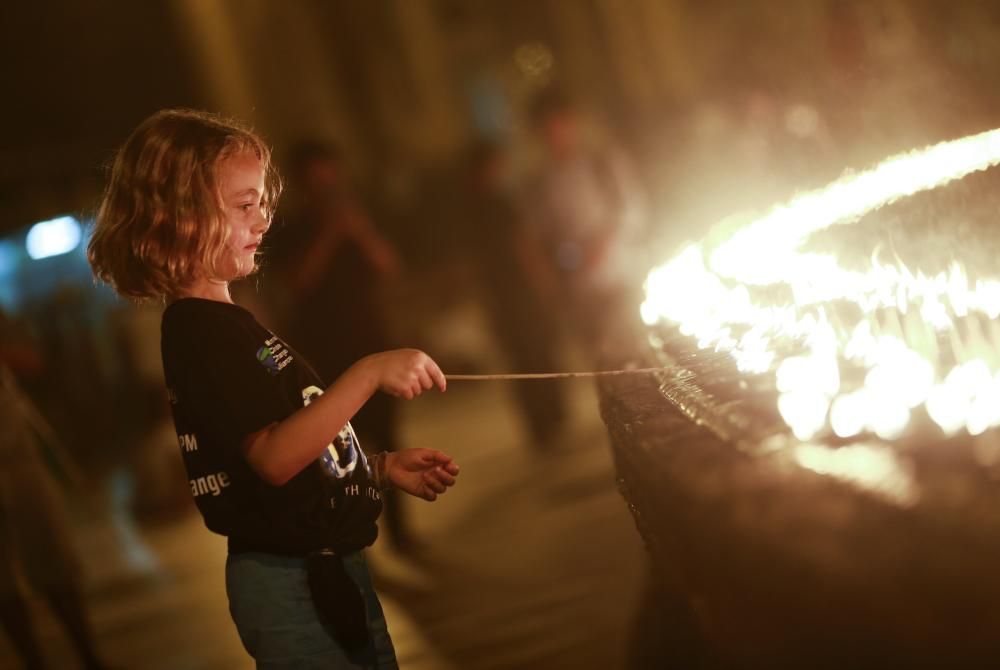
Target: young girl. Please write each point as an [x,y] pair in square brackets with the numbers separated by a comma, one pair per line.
[272,459]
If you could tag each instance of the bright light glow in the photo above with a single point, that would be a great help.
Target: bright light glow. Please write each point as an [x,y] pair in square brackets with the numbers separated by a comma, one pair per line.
[53,237]
[898,371]
[748,256]
[804,412]
[849,413]
[906,349]
[969,397]
[871,467]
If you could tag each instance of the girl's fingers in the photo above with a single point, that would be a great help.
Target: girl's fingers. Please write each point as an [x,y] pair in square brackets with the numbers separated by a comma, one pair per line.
[425,379]
[438,479]
[445,463]
[434,484]
[439,475]
[437,456]
[437,375]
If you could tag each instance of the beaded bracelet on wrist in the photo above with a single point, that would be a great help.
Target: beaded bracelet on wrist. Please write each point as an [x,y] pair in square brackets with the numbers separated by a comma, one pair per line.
[379,476]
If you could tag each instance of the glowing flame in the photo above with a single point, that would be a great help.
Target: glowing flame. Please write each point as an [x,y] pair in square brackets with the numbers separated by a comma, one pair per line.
[897,359]
[786,226]
[870,467]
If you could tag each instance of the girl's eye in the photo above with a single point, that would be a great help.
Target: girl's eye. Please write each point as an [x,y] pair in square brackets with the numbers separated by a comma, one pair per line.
[246,208]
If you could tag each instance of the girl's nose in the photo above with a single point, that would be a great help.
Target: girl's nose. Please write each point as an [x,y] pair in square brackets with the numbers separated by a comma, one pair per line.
[261,224]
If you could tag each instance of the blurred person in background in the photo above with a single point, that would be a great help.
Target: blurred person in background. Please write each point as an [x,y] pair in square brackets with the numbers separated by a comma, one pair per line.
[333,260]
[586,210]
[35,538]
[496,240]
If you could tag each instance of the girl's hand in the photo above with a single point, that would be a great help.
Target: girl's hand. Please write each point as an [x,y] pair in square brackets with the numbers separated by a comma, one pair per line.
[405,373]
[423,473]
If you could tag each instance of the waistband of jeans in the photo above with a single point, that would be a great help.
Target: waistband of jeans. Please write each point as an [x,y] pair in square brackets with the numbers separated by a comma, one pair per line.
[243,545]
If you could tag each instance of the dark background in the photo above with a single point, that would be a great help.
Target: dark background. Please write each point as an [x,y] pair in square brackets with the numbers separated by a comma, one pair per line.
[403,85]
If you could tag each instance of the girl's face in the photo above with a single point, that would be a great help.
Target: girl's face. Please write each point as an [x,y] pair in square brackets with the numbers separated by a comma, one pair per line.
[241,186]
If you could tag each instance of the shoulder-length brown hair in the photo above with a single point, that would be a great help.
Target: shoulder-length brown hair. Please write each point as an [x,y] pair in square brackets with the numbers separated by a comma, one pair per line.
[160,224]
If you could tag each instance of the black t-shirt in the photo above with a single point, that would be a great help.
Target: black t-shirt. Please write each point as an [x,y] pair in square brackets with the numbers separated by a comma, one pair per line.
[228,377]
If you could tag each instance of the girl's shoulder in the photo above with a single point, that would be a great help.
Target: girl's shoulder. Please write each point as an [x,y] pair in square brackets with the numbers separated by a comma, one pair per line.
[202,318]
[203,308]
[207,335]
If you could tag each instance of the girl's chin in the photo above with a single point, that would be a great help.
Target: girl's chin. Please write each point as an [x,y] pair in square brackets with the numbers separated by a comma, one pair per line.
[243,274]
[246,266]
[236,274]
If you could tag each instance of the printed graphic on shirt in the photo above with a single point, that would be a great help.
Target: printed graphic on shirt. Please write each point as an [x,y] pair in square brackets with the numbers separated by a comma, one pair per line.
[274,355]
[188,442]
[212,484]
[343,455]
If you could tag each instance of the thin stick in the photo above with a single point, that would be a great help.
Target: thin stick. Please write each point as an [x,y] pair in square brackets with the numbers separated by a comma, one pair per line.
[550,375]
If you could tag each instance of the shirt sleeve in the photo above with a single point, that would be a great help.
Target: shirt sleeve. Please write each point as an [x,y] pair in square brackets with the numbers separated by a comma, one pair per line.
[231,381]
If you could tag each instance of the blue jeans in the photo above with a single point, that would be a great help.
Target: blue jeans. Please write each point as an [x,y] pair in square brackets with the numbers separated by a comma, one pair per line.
[270,603]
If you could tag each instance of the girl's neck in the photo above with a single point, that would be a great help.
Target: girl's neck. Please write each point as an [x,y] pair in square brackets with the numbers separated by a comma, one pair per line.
[206,289]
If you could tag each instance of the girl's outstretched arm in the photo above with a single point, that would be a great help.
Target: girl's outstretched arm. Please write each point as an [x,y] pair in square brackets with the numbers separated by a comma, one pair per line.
[281,450]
